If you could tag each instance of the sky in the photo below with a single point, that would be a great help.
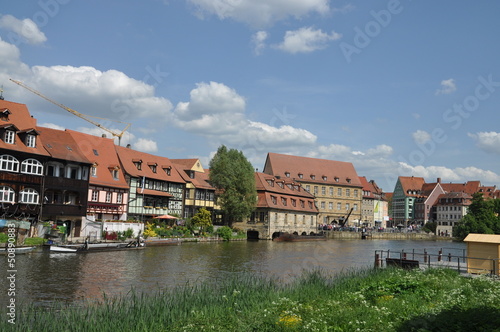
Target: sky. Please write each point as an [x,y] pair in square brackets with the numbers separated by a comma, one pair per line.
[398,88]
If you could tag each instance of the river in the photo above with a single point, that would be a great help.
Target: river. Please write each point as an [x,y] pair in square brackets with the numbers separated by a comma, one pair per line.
[43,278]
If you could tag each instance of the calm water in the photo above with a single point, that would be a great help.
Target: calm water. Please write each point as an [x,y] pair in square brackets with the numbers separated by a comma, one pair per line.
[44,278]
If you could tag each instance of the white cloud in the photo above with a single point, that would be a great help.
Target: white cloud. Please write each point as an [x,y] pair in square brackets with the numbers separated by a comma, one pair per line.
[51,125]
[25,29]
[258,41]
[459,174]
[487,141]
[447,86]
[421,137]
[145,145]
[259,13]
[306,40]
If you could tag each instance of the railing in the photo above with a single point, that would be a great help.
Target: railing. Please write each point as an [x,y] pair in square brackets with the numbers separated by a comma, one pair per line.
[459,262]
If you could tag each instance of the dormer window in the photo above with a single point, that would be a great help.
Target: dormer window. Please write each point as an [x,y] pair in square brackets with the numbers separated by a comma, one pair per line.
[153,167]
[324,178]
[191,174]
[9,136]
[116,174]
[93,170]
[137,164]
[271,183]
[301,176]
[313,177]
[168,170]
[336,179]
[4,114]
[348,180]
[280,184]
[30,141]
[287,174]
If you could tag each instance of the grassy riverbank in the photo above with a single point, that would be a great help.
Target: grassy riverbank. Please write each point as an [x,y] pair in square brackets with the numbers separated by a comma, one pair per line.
[371,300]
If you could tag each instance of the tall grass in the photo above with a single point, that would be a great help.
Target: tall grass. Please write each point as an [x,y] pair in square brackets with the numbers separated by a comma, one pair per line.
[367,300]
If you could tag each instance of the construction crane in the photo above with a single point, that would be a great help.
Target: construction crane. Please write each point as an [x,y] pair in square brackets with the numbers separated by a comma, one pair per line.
[78,114]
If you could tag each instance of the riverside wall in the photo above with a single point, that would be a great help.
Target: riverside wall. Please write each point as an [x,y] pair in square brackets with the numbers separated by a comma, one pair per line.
[384,236]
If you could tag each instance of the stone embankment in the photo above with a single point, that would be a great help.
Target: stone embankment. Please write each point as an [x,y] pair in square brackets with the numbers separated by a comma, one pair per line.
[384,236]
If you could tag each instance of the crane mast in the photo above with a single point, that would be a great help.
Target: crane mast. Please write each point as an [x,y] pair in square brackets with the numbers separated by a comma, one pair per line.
[78,114]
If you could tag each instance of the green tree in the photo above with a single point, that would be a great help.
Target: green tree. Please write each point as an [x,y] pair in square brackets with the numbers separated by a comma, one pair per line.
[482,218]
[202,220]
[232,175]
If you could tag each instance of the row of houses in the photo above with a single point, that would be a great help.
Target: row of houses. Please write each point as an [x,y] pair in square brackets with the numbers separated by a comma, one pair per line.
[80,180]
[415,202]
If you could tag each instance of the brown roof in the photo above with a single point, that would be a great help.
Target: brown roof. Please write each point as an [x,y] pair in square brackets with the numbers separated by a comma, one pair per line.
[61,145]
[184,166]
[101,152]
[275,193]
[312,170]
[469,187]
[127,155]
[465,196]
[411,184]
[19,118]
[483,238]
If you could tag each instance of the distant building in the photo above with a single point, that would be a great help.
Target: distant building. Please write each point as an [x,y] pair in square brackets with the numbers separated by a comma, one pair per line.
[451,208]
[406,191]
[199,193]
[374,212]
[282,206]
[334,184]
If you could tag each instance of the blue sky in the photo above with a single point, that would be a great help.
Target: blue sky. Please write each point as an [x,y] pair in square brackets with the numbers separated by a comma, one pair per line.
[395,87]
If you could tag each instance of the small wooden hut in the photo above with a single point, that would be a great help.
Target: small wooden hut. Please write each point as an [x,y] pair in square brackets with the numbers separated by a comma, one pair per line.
[483,253]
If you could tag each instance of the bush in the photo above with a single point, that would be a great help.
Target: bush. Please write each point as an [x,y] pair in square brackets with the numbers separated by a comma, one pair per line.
[129,233]
[34,241]
[225,232]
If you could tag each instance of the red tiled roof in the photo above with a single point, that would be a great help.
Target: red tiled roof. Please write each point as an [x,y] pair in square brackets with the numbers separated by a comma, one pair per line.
[105,156]
[20,118]
[312,169]
[127,155]
[411,184]
[200,179]
[153,192]
[61,145]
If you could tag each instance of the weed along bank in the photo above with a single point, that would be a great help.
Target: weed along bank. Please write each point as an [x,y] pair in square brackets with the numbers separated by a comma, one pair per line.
[483,251]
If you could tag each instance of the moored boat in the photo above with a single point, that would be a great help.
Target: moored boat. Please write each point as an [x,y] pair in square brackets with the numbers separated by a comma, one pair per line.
[54,248]
[287,237]
[17,250]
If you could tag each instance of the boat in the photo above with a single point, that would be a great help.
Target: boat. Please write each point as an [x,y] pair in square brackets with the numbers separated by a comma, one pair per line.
[287,237]
[163,242]
[73,249]
[17,250]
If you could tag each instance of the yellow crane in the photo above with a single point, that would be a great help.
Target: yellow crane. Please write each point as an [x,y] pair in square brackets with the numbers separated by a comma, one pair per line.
[78,114]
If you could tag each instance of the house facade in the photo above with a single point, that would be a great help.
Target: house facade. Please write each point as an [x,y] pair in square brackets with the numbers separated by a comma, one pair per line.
[334,184]
[406,191]
[156,187]
[451,208]
[282,206]
[199,193]
[374,211]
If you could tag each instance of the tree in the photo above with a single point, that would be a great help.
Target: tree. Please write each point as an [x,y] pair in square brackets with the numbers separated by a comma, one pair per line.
[202,219]
[481,218]
[232,175]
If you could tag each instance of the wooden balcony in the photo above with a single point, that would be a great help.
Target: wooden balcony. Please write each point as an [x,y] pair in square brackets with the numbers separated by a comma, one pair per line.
[64,183]
[61,210]
[21,178]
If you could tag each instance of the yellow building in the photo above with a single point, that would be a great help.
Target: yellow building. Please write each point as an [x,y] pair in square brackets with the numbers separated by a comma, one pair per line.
[334,184]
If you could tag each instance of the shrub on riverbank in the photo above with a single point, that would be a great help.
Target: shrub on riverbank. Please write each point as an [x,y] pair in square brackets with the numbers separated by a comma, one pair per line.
[369,300]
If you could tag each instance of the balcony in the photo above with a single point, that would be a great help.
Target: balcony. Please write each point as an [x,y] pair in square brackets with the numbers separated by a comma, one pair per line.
[64,183]
[61,210]
[20,178]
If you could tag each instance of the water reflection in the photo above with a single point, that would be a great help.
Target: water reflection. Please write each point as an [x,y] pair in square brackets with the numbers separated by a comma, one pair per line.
[44,278]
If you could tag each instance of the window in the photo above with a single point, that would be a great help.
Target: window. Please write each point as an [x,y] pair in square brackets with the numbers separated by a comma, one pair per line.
[32,166]
[330,205]
[323,191]
[138,164]
[355,192]
[9,163]
[348,192]
[119,198]
[355,206]
[9,136]
[301,176]
[308,188]
[324,178]
[95,195]
[29,196]
[287,174]
[93,170]
[313,177]
[283,201]
[315,190]
[294,202]
[115,174]
[331,191]
[347,206]
[274,200]
[323,205]
[339,191]
[167,170]
[339,206]
[95,152]
[31,141]
[7,194]
[108,197]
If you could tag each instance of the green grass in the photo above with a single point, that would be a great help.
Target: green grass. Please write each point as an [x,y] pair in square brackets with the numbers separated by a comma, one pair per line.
[368,300]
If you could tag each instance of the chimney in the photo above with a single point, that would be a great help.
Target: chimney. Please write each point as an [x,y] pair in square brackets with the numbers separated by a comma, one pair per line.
[438,180]
[103,135]
[129,146]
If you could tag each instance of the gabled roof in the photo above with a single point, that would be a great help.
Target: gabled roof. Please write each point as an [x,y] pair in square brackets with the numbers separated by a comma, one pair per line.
[366,187]
[266,182]
[185,166]
[466,198]
[312,170]
[101,152]
[19,115]
[61,145]
[411,185]
[127,157]
[469,187]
